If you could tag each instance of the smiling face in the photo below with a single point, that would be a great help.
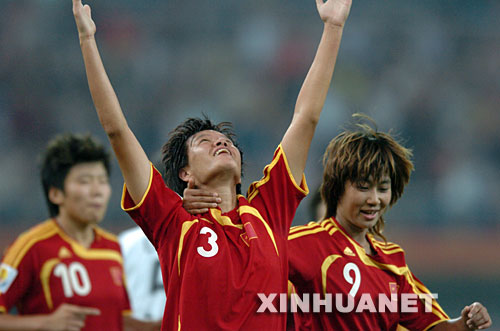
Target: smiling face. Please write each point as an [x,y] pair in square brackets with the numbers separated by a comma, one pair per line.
[211,156]
[363,203]
[86,193]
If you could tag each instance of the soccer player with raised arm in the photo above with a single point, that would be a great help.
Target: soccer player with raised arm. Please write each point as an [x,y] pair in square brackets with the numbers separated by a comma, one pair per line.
[215,264]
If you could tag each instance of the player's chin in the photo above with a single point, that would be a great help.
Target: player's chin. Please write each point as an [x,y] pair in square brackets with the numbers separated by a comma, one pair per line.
[95,217]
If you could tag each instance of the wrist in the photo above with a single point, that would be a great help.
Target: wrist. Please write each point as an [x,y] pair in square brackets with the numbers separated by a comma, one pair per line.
[85,38]
[333,27]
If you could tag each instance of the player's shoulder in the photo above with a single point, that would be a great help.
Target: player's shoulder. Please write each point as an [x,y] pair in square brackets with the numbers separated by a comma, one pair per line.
[390,250]
[311,229]
[28,239]
[38,231]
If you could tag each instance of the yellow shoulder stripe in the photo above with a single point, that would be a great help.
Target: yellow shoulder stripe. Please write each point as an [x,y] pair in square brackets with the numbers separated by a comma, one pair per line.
[26,240]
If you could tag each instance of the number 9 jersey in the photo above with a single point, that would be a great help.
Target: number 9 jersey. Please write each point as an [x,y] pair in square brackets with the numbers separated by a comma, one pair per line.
[45,268]
[385,294]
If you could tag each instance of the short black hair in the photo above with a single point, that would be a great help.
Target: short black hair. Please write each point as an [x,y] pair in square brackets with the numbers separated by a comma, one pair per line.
[175,152]
[61,154]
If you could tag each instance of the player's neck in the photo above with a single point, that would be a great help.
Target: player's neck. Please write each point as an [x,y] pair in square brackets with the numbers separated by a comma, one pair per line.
[227,193]
[358,234]
[80,232]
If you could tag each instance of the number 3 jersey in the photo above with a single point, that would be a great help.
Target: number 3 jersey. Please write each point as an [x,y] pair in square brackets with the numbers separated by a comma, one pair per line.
[214,265]
[45,268]
[324,259]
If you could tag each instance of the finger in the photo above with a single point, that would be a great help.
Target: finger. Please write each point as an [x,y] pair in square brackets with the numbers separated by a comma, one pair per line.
[199,193]
[209,200]
[485,325]
[319,3]
[474,309]
[87,11]
[465,311]
[200,205]
[87,311]
[76,4]
[190,183]
[482,316]
[198,211]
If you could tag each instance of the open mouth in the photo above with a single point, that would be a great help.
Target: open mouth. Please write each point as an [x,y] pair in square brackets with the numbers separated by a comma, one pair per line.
[370,214]
[221,151]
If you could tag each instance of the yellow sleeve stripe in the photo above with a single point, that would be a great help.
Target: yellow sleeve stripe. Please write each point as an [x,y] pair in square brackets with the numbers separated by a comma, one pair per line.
[145,193]
[384,245]
[185,228]
[312,228]
[255,212]
[254,188]
[332,231]
[26,240]
[299,228]
[419,288]
[305,233]
[392,250]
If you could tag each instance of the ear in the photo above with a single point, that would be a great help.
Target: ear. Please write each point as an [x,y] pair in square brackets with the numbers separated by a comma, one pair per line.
[184,174]
[56,196]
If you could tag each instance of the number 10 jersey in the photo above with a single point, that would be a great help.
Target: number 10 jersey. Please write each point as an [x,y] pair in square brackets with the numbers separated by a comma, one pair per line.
[45,268]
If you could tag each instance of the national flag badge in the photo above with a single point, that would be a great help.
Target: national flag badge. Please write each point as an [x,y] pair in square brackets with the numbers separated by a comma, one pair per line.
[250,230]
[7,276]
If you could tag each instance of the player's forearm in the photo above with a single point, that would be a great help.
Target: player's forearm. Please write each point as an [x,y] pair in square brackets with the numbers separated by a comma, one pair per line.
[314,90]
[15,322]
[310,102]
[132,159]
[105,100]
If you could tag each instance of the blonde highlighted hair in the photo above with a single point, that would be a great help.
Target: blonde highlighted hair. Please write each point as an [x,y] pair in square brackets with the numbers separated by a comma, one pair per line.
[359,154]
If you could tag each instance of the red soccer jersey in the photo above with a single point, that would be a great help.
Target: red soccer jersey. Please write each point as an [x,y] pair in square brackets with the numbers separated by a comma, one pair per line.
[45,268]
[214,265]
[324,259]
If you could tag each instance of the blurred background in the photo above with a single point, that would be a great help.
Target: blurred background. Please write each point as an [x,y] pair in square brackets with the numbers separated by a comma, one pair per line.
[428,70]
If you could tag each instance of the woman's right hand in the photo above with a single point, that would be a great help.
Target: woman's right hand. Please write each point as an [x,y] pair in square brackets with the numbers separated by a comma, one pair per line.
[83,18]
